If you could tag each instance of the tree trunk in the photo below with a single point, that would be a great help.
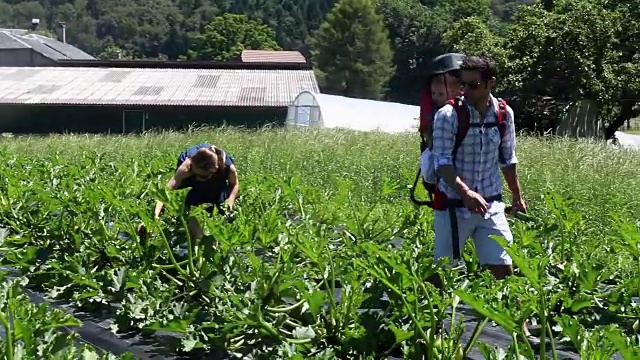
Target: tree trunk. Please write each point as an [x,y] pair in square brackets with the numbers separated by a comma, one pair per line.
[626,113]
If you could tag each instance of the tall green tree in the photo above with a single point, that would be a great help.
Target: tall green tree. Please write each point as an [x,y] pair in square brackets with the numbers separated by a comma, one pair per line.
[352,52]
[228,35]
[555,55]
[415,34]
[472,36]
[627,73]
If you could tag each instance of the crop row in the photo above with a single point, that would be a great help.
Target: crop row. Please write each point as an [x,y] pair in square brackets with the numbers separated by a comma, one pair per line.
[306,271]
[33,332]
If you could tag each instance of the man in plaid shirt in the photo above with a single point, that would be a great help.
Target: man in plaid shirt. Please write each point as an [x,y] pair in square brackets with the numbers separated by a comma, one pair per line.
[475,176]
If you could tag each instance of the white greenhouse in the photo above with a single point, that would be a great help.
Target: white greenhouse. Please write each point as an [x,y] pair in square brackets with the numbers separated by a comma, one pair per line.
[333,111]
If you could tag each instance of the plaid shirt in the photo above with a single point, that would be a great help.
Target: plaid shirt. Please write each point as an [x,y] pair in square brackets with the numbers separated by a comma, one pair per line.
[477,159]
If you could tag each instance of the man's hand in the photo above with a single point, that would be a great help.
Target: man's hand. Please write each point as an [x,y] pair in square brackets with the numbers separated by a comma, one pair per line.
[518,205]
[474,202]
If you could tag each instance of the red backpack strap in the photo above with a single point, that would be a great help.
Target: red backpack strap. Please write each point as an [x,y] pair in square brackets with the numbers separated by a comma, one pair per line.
[426,110]
[463,115]
[502,117]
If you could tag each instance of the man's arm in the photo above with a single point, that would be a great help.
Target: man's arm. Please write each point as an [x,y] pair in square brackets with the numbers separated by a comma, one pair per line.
[508,150]
[445,125]
[233,183]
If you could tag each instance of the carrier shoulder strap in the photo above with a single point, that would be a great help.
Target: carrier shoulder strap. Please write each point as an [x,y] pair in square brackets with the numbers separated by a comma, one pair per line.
[462,113]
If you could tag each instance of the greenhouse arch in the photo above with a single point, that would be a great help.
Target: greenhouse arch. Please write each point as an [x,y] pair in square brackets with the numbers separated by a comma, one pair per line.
[315,110]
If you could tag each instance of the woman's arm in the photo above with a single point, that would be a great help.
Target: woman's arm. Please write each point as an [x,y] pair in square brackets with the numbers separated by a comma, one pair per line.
[181,173]
[233,183]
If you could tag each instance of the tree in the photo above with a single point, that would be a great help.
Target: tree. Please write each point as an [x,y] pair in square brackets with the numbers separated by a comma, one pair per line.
[352,52]
[228,35]
[574,51]
[462,9]
[628,73]
[416,29]
[112,51]
[415,35]
[472,36]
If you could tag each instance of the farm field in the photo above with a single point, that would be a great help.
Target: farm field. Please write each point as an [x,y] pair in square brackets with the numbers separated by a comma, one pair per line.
[31,331]
[324,229]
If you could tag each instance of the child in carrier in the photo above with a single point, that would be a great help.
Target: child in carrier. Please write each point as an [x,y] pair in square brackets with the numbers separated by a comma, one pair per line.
[439,97]
[442,83]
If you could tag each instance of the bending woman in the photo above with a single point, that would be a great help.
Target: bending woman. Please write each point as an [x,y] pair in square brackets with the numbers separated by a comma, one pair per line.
[213,178]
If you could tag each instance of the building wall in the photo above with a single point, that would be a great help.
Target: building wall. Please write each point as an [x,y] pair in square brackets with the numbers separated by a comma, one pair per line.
[23,57]
[43,119]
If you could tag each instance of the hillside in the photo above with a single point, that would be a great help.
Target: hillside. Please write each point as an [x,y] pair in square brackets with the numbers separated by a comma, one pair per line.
[158,28]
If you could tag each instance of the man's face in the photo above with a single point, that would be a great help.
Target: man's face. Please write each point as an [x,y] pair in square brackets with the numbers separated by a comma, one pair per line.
[474,87]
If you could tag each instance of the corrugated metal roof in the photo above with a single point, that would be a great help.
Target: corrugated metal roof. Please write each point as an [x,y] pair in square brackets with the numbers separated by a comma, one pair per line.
[122,86]
[48,47]
[15,31]
[9,41]
[272,56]
[67,51]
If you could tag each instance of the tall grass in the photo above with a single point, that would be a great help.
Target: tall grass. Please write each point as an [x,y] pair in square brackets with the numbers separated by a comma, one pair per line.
[602,179]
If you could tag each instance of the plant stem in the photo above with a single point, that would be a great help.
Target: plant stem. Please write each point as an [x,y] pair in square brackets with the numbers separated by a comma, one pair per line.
[554,352]
[172,258]
[475,335]
[9,328]
[286,308]
[543,320]
[190,265]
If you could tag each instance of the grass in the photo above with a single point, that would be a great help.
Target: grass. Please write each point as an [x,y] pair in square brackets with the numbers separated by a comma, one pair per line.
[330,177]
[635,127]
[601,179]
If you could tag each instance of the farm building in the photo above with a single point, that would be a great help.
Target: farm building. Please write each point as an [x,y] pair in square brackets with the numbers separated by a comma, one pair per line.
[312,109]
[130,96]
[20,47]
[271,56]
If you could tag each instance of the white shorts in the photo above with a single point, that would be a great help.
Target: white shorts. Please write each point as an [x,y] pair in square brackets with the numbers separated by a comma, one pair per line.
[479,229]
